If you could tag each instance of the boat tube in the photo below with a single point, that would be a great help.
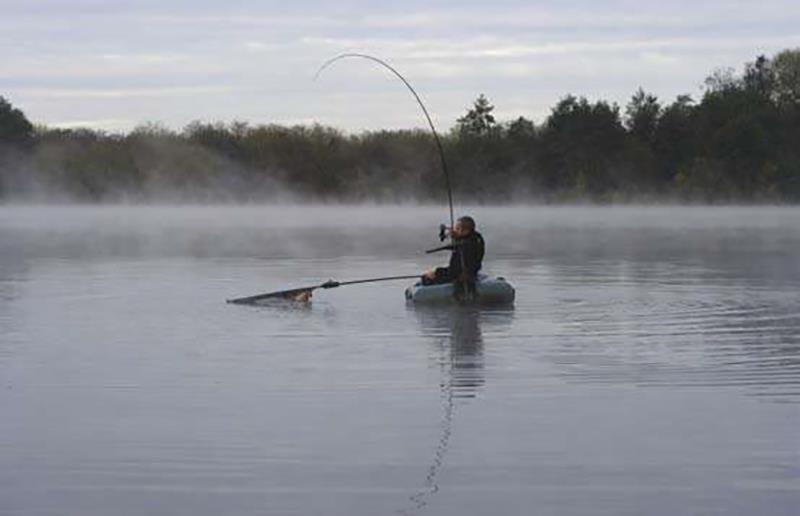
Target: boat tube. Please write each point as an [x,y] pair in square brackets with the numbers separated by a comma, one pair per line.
[490,291]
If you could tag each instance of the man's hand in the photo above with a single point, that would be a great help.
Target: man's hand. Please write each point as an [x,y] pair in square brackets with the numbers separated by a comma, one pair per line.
[430,274]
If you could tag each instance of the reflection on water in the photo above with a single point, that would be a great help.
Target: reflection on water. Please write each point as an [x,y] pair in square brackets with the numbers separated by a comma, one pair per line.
[455,332]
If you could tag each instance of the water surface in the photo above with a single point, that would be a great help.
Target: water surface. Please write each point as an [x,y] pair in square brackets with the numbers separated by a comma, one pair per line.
[651,364]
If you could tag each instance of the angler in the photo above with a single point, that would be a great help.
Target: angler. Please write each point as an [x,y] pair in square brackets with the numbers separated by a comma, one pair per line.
[466,259]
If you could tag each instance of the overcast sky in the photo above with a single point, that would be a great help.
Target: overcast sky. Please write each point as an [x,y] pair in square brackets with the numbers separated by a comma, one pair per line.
[113,64]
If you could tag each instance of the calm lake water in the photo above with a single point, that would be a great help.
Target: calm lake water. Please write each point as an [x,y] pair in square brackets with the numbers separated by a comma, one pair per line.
[651,364]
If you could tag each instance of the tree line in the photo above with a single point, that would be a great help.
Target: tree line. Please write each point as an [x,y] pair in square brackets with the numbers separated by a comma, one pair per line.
[739,142]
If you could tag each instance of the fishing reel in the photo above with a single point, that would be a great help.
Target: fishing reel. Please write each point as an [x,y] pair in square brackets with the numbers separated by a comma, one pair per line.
[443,230]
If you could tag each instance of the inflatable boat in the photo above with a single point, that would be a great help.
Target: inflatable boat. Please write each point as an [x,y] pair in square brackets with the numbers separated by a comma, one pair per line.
[490,291]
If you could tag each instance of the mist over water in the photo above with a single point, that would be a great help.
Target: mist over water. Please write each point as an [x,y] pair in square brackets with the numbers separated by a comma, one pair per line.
[651,364]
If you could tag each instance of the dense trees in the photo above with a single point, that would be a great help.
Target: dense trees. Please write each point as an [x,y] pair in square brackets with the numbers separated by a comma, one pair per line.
[16,137]
[14,126]
[581,144]
[786,67]
[478,121]
[738,142]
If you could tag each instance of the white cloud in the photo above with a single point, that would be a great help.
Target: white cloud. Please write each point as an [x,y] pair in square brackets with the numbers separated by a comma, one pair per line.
[118,93]
[104,124]
[501,48]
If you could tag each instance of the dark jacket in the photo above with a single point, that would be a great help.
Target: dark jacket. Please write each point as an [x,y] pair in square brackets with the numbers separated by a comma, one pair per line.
[466,260]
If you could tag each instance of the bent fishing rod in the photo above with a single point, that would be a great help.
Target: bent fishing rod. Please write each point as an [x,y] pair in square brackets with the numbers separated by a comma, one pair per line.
[436,138]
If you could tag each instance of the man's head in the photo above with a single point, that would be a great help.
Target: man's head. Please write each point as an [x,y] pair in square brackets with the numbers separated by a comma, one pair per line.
[464,227]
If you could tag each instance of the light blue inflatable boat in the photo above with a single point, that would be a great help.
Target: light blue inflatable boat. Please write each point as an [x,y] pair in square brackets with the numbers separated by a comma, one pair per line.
[490,291]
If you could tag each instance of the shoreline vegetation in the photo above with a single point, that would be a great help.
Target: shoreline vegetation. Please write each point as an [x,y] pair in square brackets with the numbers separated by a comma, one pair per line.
[739,143]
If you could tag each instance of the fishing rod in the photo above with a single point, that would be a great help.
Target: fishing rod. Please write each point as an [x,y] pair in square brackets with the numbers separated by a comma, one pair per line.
[449,247]
[436,138]
[305,292]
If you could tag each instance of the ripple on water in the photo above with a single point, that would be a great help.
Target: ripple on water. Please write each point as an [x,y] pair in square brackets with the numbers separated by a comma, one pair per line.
[654,334]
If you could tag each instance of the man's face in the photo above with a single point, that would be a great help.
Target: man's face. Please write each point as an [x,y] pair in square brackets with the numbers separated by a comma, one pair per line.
[460,231]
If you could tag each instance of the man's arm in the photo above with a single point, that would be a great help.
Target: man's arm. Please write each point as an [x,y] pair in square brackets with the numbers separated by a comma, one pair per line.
[472,252]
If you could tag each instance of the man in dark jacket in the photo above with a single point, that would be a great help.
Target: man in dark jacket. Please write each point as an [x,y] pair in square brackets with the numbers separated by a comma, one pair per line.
[466,258]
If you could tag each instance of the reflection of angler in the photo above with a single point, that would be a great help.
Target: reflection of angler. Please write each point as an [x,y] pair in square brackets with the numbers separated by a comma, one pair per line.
[420,499]
[461,367]
[466,354]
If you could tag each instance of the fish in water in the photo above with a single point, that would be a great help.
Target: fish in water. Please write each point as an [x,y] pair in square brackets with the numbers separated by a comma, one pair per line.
[301,297]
